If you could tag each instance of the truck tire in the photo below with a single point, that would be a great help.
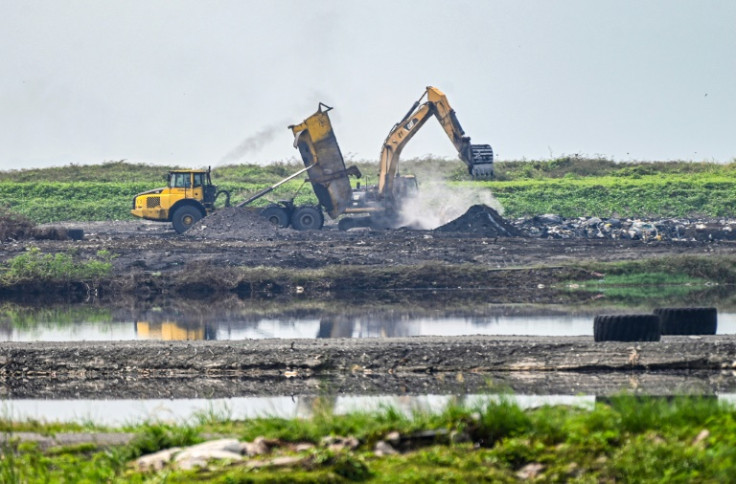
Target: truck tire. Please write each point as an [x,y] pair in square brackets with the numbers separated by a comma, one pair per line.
[687,320]
[307,218]
[75,234]
[184,217]
[626,327]
[276,215]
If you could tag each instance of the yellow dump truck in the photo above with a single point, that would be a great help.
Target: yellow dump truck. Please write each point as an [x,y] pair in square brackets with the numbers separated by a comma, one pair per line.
[190,194]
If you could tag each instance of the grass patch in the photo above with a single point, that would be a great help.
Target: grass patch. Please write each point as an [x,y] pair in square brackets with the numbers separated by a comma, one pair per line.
[642,286]
[36,267]
[624,438]
[681,279]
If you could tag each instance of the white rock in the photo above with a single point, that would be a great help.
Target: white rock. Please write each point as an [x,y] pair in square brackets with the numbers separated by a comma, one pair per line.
[156,461]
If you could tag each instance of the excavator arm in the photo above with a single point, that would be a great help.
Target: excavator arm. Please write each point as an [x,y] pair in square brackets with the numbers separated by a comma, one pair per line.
[478,158]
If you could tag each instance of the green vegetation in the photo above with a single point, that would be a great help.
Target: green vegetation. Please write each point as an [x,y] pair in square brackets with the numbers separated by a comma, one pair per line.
[36,267]
[625,438]
[569,186]
[647,286]
[26,317]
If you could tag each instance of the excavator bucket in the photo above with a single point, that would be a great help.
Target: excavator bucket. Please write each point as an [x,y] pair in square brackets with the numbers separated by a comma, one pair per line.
[317,145]
[481,161]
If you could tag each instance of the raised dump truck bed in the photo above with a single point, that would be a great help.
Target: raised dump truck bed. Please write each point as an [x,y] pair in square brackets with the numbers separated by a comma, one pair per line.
[317,145]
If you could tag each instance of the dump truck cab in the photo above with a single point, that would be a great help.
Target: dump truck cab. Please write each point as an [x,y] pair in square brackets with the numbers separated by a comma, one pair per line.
[189,196]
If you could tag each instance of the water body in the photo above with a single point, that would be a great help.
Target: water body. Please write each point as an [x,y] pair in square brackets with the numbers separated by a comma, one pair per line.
[161,325]
[203,322]
[117,413]
[122,412]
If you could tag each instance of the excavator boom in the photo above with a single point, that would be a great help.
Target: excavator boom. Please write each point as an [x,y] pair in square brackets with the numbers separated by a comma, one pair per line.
[477,157]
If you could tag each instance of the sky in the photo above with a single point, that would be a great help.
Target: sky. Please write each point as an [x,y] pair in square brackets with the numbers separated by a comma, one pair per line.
[198,83]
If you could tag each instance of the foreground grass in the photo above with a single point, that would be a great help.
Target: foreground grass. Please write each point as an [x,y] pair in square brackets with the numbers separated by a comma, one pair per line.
[569,186]
[625,439]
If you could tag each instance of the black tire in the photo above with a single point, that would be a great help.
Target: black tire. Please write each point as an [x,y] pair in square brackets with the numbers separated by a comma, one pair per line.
[626,327]
[307,218]
[75,234]
[184,217]
[276,215]
[687,320]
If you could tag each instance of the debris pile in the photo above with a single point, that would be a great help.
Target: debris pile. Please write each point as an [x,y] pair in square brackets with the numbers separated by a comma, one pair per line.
[233,223]
[557,227]
[481,220]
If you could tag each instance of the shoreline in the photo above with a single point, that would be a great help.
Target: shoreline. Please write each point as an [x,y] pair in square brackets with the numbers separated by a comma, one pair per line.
[372,365]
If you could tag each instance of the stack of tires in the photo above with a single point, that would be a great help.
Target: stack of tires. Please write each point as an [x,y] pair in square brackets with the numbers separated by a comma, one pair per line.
[650,327]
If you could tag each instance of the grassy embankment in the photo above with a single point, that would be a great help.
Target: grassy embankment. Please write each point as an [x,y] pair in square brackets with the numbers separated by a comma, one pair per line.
[568,186]
[624,439]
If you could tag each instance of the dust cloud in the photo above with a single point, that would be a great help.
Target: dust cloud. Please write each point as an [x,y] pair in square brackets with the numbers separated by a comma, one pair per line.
[438,203]
[254,143]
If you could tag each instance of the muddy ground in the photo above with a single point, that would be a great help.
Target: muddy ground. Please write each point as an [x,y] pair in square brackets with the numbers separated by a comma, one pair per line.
[152,263]
[141,246]
[522,266]
[416,366]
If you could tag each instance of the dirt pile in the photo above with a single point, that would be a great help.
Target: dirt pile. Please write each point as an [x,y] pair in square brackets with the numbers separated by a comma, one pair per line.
[14,226]
[233,223]
[481,220]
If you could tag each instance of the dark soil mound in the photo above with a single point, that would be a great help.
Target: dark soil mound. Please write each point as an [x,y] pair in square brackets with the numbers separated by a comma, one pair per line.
[14,226]
[481,220]
[233,223]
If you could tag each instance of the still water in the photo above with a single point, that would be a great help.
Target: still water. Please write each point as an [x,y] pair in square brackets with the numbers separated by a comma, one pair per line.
[116,413]
[177,327]
[123,412]
[93,323]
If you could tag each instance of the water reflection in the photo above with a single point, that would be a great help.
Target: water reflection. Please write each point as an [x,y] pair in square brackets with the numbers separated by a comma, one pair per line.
[162,325]
[159,324]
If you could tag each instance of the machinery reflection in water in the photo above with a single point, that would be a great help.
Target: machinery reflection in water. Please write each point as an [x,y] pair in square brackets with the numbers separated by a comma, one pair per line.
[213,322]
[326,327]
[174,331]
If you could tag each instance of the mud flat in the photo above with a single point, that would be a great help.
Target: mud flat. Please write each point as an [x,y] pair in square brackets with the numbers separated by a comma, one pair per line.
[417,365]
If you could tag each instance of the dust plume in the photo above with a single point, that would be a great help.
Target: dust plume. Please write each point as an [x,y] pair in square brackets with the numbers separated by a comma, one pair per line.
[438,203]
[254,143]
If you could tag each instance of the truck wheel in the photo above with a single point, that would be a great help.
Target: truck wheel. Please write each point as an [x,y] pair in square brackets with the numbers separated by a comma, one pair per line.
[276,215]
[185,217]
[626,327]
[307,218]
[687,320]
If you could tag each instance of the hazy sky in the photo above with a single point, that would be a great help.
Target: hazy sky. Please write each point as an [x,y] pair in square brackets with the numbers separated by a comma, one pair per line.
[209,82]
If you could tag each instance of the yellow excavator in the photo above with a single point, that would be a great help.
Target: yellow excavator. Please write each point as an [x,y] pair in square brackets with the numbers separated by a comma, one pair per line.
[383,201]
